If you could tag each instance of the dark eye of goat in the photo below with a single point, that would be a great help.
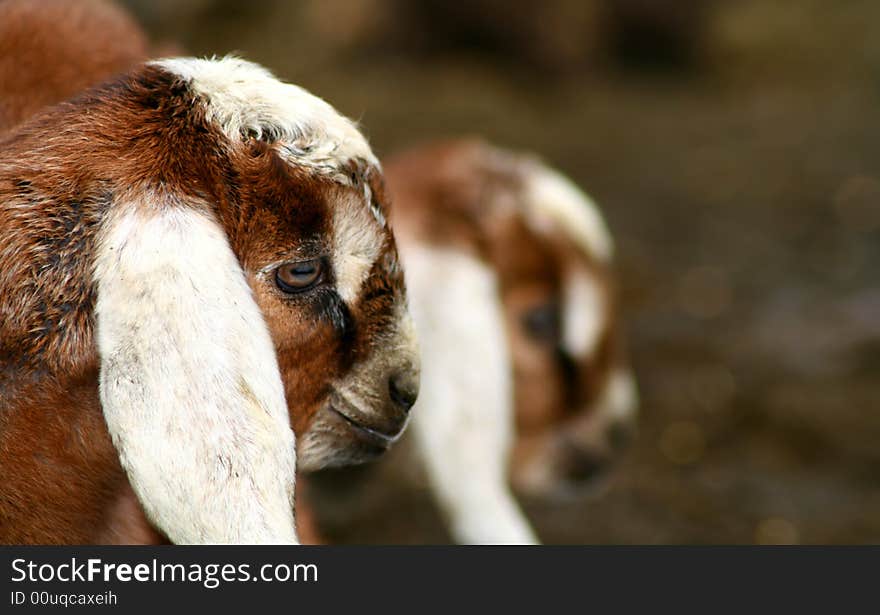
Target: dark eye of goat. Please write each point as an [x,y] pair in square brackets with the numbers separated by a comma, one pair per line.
[542,323]
[298,277]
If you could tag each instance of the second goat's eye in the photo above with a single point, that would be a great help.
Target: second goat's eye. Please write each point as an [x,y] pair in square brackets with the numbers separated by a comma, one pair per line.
[542,323]
[297,277]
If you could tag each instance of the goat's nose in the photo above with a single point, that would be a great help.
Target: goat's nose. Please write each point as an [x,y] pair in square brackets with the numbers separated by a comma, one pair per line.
[582,465]
[620,434]
[404,389]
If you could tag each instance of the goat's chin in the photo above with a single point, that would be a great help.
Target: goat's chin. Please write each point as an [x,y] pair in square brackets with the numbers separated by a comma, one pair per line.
[557,488]
[335,440]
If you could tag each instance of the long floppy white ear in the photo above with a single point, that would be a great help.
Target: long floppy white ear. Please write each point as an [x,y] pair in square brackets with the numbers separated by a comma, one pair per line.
[463,419]
[190,385]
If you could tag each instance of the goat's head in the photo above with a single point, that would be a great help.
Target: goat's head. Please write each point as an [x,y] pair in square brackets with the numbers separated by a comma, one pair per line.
[310,231]
[229,233]
[574,396]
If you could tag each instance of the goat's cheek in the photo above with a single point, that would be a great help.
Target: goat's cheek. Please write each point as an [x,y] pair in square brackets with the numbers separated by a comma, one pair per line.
[306,351]
[307,370]
[538,394]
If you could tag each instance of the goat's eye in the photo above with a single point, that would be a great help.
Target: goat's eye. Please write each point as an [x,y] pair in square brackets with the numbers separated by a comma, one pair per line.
[297,277]
[542,323]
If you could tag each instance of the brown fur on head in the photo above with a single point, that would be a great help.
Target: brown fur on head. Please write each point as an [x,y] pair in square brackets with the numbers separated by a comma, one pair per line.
[107,205]
[574,397]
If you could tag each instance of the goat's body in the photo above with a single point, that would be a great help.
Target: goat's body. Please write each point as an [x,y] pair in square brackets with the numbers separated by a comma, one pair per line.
[464,428]
[53,442]
[62,481]
[53,49]
[52,431]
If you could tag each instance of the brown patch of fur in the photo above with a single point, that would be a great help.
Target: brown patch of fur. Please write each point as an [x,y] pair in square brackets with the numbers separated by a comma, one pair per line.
[59,466]
[306,520]
[51,50]
[126,523]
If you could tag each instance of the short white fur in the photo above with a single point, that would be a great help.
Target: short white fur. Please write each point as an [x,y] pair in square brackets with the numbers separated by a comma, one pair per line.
[553,199]
[189,382]
[463,420]
[244,98]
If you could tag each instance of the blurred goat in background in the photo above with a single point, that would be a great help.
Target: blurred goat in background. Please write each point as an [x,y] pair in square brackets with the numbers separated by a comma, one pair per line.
[512,265]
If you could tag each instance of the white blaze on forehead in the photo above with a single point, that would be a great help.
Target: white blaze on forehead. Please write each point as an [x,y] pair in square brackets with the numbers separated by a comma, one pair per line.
[244,98]
[584,314]
[554,200]
[189,383]
[357,242]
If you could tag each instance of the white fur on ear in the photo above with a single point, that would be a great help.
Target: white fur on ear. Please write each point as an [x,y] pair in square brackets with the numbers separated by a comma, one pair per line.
[463,418]
[189,384]
[554,196]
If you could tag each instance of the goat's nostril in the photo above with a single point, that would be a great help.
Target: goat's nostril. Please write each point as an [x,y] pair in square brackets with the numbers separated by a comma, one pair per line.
[403,390]
[619,435]
[581,465]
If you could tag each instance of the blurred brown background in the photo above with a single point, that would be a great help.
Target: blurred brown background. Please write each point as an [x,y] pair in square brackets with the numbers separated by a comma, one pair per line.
[735,148]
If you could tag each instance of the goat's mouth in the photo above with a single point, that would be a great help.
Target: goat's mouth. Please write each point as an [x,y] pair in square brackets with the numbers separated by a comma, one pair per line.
[383,430]
[370,434]
[558,467]
[347,432]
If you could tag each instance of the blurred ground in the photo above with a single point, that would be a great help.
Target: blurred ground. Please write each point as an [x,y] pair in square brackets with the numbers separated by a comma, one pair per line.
[742,181]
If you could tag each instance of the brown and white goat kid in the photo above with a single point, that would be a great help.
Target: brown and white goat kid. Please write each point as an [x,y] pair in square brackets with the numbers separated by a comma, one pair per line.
[194,259]
[509,275]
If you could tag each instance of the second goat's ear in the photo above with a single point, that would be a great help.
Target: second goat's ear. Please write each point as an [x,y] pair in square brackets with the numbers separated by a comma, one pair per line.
[190,385]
